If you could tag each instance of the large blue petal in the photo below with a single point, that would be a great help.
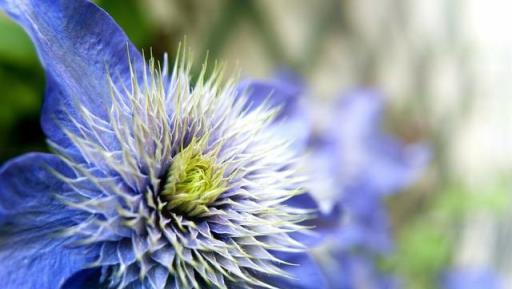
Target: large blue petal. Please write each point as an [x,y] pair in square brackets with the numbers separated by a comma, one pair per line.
[32,256]
[77,43]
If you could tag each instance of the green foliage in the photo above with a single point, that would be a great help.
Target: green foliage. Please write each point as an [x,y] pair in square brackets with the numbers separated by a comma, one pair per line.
[423,250]
[130,15]
[21,78]
[426,244]
[457,200]
[15,45]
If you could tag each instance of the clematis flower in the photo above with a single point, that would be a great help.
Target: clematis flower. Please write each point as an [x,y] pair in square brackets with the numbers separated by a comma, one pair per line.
[352,165]
[355,165]
[361,164]
[156,181]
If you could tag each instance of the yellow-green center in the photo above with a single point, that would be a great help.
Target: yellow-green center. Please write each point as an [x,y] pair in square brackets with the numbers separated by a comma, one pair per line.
[193,182]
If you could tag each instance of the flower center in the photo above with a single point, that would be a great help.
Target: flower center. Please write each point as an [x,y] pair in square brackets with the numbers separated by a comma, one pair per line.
[193,182]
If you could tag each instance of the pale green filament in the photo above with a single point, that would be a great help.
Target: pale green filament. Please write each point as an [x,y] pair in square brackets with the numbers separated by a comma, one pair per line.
[193,182]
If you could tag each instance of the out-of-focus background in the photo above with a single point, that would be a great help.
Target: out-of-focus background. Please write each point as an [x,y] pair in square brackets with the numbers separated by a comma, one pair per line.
[443,66]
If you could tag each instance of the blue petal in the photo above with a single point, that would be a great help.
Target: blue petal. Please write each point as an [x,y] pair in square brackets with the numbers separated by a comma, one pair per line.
[369,226]
[84,279]
[281,91]
[325,173]
[284,91]
[303,201]
[366,222]
[77,43]
[32,256]
[305,272]
[396,165]
[322,225]
[348,271]
[354,163]
[471,278]
[367,153]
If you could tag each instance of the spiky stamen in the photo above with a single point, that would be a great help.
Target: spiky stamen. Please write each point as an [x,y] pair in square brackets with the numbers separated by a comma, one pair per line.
[194,180]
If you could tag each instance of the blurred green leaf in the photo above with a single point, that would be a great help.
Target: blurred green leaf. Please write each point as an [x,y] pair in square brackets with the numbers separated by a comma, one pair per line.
[425,245]
[20,101]
[423,250]
[15,45]
[457,200]
[130,16]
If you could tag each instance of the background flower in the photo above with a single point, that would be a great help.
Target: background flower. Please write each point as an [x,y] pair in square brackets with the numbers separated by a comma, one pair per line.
[355,165]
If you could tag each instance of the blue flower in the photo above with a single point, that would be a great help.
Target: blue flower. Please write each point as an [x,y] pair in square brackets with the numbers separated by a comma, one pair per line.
[361,164]
[352,165]
[355,165]
[155,182]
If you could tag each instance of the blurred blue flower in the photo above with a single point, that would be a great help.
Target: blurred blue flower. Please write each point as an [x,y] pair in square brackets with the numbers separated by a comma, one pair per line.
[361,164]
[368,154]
[155,182]
[352,165]
[470,278]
